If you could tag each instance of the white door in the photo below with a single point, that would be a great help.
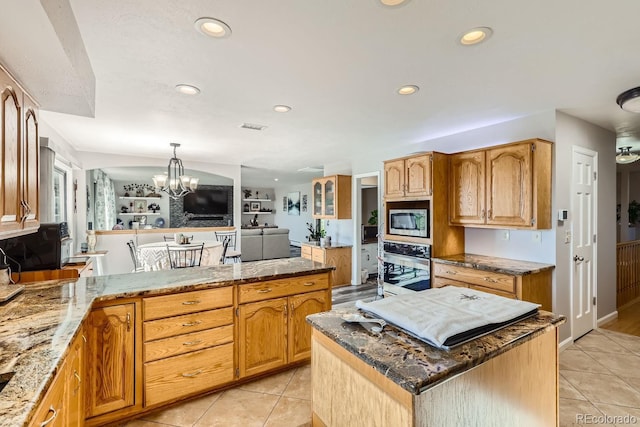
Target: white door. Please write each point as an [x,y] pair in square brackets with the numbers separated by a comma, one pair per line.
[583,225]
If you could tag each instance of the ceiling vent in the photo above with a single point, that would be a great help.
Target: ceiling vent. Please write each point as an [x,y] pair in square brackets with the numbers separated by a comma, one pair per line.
[312,169]
[253,126]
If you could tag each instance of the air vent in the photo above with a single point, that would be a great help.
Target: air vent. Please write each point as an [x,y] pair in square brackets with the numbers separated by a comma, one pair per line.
[314,169]
[253,126]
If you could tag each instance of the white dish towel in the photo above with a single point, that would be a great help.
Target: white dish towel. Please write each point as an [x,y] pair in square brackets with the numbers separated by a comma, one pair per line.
[437,314]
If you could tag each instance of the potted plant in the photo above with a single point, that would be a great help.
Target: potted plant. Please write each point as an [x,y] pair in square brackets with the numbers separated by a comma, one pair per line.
[373,220]
[315,233]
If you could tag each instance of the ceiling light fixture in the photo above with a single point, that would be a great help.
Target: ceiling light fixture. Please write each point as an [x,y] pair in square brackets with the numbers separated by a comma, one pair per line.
[281,108]
[408,90]
[475,36]
[212,27]
[625,156]
[394,3]
[175,183]
[187,89]
[630,100]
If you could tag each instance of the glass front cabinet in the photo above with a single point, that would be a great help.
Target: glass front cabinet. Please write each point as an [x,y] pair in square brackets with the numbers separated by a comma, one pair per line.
[332,197]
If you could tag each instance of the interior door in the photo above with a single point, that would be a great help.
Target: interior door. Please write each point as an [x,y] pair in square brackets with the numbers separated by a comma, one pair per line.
[583,224]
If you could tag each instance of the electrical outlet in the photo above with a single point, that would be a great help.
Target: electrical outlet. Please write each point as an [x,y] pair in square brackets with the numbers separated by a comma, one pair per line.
[505,235]
[567,236]
[536,237]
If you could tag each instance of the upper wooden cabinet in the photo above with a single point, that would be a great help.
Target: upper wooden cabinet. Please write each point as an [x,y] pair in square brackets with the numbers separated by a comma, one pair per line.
[19,180]
[507,186]
[409,177]
[331,197]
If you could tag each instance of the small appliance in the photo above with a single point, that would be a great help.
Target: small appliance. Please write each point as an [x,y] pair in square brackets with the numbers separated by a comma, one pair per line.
[409,222]
[49,248]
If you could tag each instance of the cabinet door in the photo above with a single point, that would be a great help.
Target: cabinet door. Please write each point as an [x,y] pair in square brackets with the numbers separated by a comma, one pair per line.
[418,176]
[52,412]
[509,186]
[300,306]
[10,171]
[318,199]
[110,359]
[30,162]
[394,174]
[75,383]
[329,198]
[466,198]
[262,336]
[339,258]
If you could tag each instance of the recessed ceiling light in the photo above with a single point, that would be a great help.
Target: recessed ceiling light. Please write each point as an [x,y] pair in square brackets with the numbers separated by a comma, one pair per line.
[187,89]
[212,27]
[275,179]
[393,3]
[281,108]
[630,100]
[408,90]
[475,36]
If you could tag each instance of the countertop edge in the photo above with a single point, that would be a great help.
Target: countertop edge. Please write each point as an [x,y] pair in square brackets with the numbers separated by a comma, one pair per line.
[535,267]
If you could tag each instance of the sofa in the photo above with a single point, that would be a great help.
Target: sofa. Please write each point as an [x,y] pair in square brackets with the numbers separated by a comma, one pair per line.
[264,243]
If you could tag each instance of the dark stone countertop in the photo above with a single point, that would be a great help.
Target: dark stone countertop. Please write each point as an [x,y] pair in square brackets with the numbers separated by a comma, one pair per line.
[416,366]
[38,325]
[494,264]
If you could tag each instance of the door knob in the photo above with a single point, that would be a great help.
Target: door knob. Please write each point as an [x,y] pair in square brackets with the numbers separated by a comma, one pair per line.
[577,258]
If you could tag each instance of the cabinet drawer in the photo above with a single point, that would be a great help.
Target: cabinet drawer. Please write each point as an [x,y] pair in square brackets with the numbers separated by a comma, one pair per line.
[186,302]
[175,377]
[181,344]
[169,327]
[488,279]
[318,255]
[279,288]
[440,282]
[493,291]
[305,251]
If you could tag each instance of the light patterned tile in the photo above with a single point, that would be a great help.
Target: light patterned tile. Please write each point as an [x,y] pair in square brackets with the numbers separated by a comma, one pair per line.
[300,385]
[290,413]
[185,414]
[630,342]
[603,388]
[273,384]
[624,365]
[239,408]
[633,382]
[578,360]
[623,414]
[595,341]
[143,423]
[578,413]
[568,391]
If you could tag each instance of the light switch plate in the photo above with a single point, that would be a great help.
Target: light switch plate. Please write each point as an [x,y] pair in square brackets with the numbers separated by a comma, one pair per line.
[567,236]
[536,237]
[504,235]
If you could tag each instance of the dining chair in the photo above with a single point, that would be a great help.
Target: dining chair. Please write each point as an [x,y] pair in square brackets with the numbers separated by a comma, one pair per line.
[231,254]
[168,238]
[185,255]
[134,257]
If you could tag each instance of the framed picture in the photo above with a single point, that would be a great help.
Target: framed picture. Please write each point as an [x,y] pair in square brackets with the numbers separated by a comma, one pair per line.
[304,203]
[284,204]
[139,206]
[141,219]
[255,206]
[293,203]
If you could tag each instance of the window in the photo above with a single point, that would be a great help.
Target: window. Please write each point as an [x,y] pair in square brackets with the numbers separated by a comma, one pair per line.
[59,195]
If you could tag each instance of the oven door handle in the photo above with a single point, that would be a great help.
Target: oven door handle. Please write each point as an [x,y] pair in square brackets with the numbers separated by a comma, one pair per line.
[408,261]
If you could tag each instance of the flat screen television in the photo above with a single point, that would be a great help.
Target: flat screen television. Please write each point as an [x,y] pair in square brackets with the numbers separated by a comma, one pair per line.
[207,202]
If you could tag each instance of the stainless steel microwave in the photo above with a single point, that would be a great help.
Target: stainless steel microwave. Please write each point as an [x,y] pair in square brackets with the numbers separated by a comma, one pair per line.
[409,222]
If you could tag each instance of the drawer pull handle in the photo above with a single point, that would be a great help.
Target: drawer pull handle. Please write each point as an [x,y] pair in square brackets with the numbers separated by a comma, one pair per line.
[197,322]
[264,291]
[193,374]
[451,272]
[489,279]
[75,374]
[128,321]
[191,302]
[190,343]
[309,283]
[53,417]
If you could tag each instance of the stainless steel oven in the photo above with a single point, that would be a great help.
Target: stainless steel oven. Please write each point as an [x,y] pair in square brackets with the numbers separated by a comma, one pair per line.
[407,268]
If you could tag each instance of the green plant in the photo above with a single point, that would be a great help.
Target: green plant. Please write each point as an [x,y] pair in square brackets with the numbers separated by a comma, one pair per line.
[634,212]
[315,233]
[373,220]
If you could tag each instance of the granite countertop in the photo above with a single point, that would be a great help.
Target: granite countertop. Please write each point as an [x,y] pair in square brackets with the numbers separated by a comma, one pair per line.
[414,365]
[333,245]
[37,326]
[494,264]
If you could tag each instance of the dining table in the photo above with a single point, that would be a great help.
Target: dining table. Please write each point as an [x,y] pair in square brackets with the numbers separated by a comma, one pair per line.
[154,256]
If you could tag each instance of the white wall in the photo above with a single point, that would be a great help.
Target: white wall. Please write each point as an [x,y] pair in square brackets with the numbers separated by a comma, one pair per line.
[571,131]
[295,223]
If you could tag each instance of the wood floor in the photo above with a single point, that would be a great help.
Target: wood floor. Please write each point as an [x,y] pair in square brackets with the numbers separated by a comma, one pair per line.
[628,321]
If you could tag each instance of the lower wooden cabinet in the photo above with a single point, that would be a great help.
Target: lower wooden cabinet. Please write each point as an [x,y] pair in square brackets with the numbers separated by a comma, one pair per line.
[52,411]
[298,330]
[338,257]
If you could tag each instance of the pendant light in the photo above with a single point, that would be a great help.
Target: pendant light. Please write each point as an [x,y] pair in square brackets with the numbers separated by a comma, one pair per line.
[625,156]
[175,183]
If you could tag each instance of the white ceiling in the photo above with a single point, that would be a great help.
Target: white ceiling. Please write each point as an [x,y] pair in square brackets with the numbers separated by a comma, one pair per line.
[337,63]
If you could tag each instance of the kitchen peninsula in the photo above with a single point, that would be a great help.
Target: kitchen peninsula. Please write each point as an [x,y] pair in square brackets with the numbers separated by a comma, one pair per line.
[200,328]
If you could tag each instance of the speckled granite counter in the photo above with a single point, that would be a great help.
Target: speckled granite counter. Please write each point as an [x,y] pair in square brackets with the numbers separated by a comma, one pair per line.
[333,245]
[416,366]
[37,326]
[494,264]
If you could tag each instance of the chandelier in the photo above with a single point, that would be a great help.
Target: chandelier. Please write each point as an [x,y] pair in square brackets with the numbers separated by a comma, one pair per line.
[175,183]
[625,156]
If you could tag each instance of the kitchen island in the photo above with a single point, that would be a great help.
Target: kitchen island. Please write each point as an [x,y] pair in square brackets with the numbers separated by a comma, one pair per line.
[361,378]
[38,326]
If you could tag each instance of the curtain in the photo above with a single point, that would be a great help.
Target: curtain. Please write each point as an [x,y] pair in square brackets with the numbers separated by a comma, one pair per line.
[105,201]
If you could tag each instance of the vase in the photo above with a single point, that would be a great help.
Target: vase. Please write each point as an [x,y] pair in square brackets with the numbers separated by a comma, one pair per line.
[92,240]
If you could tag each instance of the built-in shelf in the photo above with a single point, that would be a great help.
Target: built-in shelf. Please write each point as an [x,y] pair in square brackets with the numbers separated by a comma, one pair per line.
[138,213]
[257,213]
[138,198]
[257,200]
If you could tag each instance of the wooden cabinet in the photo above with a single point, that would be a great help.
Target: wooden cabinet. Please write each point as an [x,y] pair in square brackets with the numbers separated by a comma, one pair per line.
[52,411]
[272,328]
[331,197]
[506,186]
[19,180]
[188,343]
[408,177]
[75,382]
[111,359]
[338,257]
[535,287]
